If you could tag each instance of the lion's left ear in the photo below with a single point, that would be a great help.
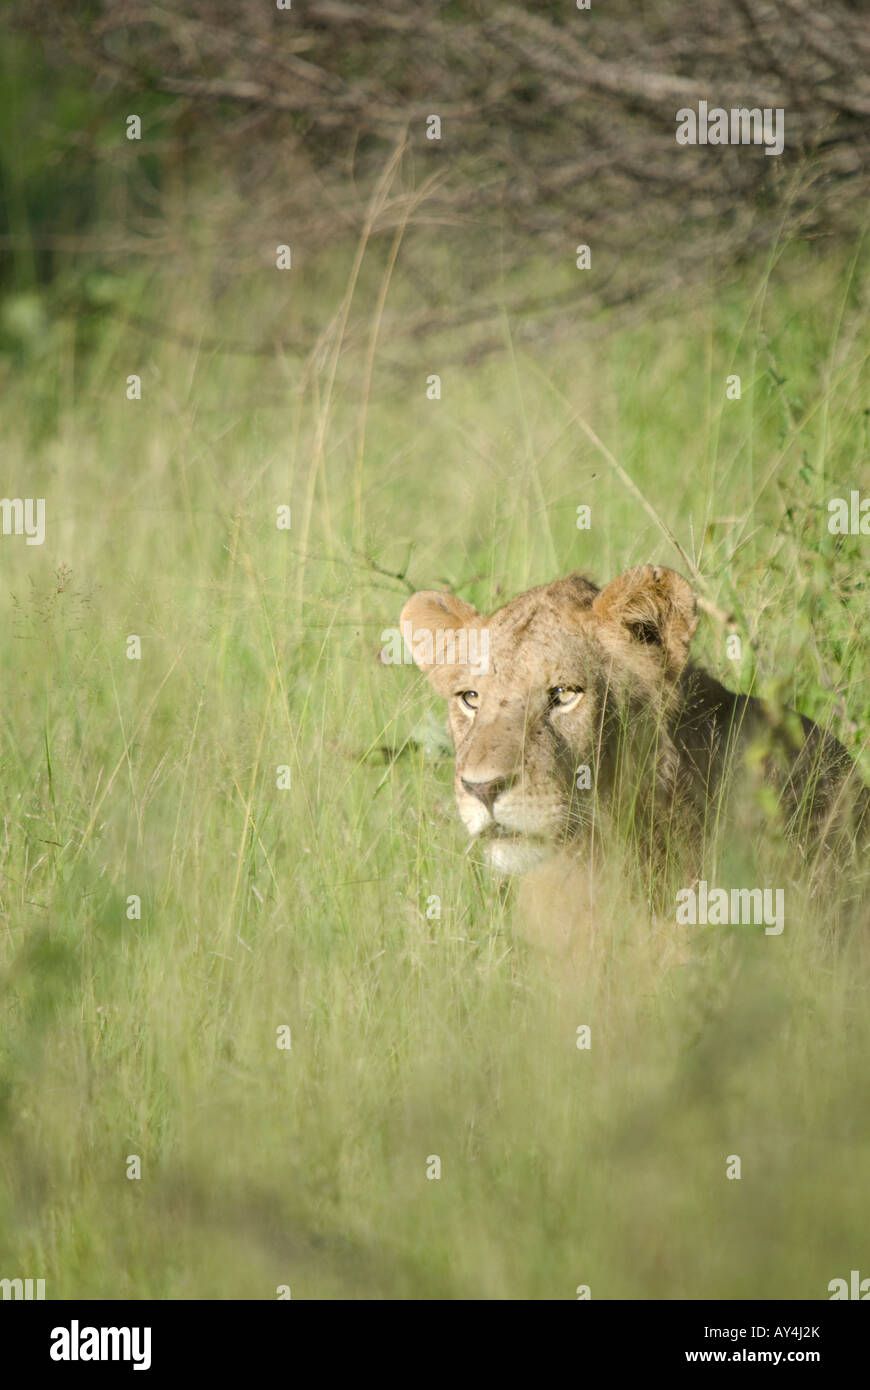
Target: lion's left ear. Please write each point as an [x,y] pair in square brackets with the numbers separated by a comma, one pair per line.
[430,622]
[656,606]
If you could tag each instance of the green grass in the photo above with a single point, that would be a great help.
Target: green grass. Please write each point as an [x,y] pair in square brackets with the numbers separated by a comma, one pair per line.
[263,907]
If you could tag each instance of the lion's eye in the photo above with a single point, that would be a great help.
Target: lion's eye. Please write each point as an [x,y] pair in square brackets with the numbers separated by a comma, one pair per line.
[563,697]
[469,698]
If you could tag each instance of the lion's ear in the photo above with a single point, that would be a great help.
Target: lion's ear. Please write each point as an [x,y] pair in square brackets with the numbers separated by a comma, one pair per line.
[430,622]
[656,606]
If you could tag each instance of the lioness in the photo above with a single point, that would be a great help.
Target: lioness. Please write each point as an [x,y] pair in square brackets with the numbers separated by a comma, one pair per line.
[583,709]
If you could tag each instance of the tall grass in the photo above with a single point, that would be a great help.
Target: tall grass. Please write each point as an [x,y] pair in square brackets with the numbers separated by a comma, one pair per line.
[412,1035]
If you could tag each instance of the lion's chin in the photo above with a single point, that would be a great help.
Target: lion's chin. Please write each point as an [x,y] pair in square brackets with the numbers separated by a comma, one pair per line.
[517,854]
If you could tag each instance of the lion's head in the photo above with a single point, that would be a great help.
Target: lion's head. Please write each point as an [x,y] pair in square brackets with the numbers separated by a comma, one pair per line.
[547,695]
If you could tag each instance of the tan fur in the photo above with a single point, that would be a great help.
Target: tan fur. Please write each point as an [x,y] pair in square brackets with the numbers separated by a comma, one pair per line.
[665,743]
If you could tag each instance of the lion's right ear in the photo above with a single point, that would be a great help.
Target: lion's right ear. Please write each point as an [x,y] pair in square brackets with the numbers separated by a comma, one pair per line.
[428,619]
[654,606]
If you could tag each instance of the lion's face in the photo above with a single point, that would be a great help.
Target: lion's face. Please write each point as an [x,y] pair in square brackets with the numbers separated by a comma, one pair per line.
[523,734]
[530,715]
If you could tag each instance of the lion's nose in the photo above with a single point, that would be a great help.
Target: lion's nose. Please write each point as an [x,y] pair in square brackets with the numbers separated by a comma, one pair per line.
[486,791]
